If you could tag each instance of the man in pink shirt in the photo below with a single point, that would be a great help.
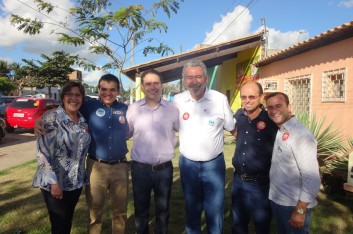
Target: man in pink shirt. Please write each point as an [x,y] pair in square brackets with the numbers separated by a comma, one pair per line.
[152,123]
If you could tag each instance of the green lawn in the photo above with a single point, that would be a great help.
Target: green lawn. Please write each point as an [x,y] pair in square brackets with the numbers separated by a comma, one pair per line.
[22,209]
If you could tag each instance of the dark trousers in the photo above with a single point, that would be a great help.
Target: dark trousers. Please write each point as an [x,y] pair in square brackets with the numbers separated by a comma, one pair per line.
[282,214]
[61,211]
[144,180]
[250,198]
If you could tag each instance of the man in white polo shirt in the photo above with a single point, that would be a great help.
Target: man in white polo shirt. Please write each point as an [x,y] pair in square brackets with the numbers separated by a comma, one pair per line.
[204,114]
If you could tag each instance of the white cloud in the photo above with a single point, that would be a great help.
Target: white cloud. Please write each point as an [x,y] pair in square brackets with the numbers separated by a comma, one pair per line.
[27,9]
[237,24]
[346,4]
[281,40]
[233,25]
[92,77]
[45,42]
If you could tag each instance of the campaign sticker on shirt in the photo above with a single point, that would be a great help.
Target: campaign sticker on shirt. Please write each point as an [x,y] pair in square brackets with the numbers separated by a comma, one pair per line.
[121,119]
[261,125]
[100,112]
[211,122]
[186,116]
[285,136]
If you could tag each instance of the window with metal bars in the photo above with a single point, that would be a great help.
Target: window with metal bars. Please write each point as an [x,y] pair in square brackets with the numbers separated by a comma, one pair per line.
[298,90]
[333,85]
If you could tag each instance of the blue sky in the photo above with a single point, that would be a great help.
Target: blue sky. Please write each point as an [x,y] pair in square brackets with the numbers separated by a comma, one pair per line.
[197,22]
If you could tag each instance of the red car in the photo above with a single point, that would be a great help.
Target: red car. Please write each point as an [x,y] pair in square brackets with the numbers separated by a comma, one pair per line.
[23,112]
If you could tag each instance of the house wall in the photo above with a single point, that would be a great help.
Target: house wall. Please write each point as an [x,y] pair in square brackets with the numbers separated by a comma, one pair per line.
[315,62]
[230,72]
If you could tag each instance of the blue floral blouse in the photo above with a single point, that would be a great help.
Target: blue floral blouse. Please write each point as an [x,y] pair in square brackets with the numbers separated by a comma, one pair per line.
[61,152]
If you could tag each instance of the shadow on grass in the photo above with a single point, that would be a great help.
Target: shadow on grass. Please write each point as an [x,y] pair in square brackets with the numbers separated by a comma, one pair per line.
[23,209]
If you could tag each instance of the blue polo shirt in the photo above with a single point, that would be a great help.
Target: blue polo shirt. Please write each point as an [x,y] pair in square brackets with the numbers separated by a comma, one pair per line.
[254,144]
[108,128]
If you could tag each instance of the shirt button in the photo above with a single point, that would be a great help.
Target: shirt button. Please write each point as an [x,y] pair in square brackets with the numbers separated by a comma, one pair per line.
[243,153]
[246,132]
[259,139]
[245,142]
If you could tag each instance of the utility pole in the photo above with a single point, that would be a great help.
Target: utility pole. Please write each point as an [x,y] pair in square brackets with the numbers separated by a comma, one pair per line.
[265,35]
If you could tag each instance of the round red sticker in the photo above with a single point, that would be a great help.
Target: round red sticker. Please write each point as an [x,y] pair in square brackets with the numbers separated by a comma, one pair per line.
[261,125]
[186,116]
[285,136]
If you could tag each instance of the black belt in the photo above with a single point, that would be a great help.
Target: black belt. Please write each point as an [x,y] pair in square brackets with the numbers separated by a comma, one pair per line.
[252,178]
[113,162]
[220,154]
[157,167]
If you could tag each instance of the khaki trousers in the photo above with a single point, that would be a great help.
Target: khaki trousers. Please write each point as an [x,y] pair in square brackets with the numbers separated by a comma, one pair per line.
[111,180]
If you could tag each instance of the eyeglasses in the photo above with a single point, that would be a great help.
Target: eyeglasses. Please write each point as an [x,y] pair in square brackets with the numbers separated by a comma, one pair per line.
[251,97]
[192,77]
[78,95]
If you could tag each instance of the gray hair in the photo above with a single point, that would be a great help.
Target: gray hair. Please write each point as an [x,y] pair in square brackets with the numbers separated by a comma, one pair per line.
[195,63]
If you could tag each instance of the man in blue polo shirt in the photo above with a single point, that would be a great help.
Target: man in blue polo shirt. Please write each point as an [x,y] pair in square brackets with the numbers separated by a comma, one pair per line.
[255,136]
[107,166]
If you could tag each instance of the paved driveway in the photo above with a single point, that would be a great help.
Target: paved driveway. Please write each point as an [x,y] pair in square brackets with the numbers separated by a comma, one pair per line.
[17,148]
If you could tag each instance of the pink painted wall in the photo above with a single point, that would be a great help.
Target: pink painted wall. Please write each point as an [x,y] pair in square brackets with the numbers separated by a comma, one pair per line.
[315,62]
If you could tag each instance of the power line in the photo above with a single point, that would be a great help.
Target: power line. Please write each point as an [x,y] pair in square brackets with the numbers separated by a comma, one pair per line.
[248,6]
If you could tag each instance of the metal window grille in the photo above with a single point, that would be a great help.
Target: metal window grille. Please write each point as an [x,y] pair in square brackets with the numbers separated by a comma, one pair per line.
[333,85]
[298,90]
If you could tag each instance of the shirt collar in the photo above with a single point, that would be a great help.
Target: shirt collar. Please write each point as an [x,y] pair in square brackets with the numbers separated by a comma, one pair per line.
[102,103]
[206,96]
[289,124]
[67,117]
[163,102]
[262,115]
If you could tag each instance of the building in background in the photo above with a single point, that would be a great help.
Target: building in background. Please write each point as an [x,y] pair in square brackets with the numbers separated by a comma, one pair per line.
[317,75]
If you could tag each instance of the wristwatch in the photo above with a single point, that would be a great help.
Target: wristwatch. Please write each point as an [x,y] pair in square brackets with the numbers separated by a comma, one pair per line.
[300,211]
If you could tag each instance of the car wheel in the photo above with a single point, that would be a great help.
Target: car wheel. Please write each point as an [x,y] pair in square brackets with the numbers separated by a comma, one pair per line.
[10,129]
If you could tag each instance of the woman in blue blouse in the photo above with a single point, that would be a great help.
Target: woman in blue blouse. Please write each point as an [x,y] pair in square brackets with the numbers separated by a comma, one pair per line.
[61,154]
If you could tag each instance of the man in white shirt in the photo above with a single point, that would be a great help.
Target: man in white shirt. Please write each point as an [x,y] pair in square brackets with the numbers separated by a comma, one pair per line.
[204,114]
[294,174]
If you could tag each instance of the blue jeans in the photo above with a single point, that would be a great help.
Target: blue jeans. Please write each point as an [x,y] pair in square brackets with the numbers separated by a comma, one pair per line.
[282,215]
[250,198]
[145,180]
[203,187]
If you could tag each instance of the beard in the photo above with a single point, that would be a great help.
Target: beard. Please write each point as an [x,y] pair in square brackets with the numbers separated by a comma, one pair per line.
[197,88]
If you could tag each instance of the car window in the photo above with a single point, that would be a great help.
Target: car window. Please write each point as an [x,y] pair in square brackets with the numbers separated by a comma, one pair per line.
[25,103]
[5,101]
[50,104]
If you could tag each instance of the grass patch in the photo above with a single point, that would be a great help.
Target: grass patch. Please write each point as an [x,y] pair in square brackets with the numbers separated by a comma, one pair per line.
[23,209]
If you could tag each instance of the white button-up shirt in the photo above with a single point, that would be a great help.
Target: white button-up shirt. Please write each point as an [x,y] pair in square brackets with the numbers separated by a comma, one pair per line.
[202,123]
[294,173]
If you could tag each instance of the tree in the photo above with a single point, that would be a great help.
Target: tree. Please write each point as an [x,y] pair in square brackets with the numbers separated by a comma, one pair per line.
[53,72]
[96,20]
[5,68]
[6,85]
